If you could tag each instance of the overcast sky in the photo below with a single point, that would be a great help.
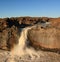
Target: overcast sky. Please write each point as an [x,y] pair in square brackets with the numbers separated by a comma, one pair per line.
[14,8]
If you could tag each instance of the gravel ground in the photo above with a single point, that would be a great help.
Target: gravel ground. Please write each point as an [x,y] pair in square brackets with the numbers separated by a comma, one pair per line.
[44,57]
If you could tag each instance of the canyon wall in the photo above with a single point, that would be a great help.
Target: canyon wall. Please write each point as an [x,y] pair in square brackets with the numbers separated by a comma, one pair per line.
[10,28]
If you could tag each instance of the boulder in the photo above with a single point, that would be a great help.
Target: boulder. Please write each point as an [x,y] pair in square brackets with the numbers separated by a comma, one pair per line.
[48,37]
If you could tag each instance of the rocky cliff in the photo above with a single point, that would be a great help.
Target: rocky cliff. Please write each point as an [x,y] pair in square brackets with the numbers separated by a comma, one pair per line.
[45,35]
[10,27]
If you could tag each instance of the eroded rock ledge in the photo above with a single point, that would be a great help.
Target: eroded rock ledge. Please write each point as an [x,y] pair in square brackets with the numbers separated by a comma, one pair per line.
[10,28]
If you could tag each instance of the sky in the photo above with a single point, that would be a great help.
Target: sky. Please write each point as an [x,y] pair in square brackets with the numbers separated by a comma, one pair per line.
[33,8]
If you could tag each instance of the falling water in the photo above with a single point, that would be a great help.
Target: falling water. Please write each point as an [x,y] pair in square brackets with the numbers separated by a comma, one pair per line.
[21,48]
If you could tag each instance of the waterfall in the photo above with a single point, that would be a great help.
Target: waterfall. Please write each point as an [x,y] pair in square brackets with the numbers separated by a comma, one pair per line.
[21,48]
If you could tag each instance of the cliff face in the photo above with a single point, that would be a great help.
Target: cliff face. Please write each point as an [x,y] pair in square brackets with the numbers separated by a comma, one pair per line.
[8,37]
[10,29]
[46,37]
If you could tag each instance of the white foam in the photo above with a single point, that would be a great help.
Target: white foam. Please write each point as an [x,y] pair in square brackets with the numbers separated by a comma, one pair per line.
[21,48]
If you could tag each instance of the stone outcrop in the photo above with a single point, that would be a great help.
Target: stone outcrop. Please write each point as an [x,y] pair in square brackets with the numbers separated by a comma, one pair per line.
[8,38]
[9,33]
[44,37]
[26,21]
